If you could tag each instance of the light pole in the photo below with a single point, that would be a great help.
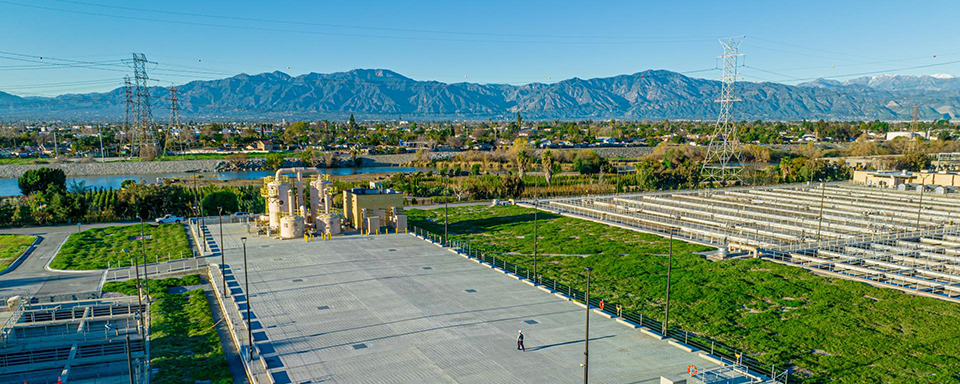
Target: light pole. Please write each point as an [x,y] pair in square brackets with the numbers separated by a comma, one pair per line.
[143,249]
[246,281]
[536,205]
[586,340]
[223,260]
[136,268]
[823,188]
[446,205]
[923,182]
[100,135]
[666,311]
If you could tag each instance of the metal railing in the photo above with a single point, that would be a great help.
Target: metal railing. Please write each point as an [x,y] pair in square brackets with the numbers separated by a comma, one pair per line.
[715,348]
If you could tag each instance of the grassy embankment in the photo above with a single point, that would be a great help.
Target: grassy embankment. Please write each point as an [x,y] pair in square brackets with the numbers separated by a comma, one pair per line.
[831,330]
[12,246]
[185,347]
[93,248]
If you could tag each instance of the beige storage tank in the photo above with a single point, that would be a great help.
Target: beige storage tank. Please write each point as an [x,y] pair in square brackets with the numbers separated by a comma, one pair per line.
[329,224]
[279,197]
[291,227]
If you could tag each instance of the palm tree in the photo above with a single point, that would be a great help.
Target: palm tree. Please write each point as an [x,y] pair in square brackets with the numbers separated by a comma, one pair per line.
[546,160]
[523,160]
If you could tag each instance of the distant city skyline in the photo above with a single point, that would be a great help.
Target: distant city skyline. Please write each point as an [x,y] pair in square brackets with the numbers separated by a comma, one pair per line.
[54,47]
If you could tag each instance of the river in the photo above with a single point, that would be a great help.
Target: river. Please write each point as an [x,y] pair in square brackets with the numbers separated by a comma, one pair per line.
[9,187]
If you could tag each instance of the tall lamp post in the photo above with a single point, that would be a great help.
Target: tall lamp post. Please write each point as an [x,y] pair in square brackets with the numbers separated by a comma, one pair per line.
[823,188]
[246,281]
[666,311]
[223,260]
[446,205]
[586,340]
[137,269]
[536,208]
[143,249]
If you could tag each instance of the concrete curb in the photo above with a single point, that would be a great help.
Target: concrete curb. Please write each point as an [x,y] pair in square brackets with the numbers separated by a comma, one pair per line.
[682,345]
[23,256]
[57,252]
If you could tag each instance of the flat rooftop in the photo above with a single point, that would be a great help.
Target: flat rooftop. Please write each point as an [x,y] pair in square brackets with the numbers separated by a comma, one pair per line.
[396,309]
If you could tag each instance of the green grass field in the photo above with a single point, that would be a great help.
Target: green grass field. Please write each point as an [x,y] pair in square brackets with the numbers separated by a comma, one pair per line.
[185,347]
[12,246]
[830,330]
[93,248]
[19,161]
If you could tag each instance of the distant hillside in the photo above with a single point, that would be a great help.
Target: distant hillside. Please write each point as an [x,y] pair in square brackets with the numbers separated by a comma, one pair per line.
[383,94]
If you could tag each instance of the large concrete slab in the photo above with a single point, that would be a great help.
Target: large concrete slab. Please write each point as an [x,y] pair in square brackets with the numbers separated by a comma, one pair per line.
[395,309]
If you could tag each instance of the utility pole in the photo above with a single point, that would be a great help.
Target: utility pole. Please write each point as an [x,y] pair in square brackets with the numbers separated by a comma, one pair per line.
[586,340]
[136,269]
[723,161]
[56,146]
[100,135]
[666,311]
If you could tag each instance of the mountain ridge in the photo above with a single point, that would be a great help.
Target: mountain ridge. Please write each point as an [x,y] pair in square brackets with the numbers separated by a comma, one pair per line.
[385,94]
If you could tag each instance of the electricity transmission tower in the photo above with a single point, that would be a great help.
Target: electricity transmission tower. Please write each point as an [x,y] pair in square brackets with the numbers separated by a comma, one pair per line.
[723,163]
[129,110]
[143,136]
[173,141]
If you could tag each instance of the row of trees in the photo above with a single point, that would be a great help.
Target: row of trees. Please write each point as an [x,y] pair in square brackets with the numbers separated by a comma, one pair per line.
[47,201]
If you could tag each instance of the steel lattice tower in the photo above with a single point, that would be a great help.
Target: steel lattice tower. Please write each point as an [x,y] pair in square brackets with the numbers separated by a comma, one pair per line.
[723,161]
[171,142]
[144,139]
[128,111]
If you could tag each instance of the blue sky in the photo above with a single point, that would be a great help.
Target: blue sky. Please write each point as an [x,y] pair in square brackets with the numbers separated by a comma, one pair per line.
[83,42]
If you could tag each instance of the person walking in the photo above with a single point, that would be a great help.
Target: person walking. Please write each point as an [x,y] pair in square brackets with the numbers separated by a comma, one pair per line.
[520,341]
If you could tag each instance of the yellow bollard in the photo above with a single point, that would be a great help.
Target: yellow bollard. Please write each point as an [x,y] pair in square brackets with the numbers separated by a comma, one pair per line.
[329,236]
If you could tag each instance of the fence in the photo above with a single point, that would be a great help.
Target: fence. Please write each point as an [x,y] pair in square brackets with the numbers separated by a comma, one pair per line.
[722,351]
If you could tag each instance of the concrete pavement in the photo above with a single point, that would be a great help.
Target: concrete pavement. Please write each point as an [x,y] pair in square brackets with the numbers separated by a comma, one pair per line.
[31,278]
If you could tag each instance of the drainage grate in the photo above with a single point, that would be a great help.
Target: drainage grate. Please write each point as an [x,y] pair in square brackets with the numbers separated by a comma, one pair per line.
[531,322]
[264,246]
[427,268]
[322,307]
[391,250]
[470,290]
[359,346]
[297,280]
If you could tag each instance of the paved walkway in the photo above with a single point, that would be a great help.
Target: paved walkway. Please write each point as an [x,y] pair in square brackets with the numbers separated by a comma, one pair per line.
[32,279]
[395,309]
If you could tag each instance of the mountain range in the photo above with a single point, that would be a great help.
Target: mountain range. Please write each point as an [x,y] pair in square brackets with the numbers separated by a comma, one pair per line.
[384,94]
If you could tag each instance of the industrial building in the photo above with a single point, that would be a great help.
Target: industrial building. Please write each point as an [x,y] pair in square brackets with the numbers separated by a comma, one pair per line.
[370,209]
[903,180]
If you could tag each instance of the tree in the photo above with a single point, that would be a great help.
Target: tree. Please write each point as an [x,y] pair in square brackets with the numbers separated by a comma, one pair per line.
[913,161]
[225,199]
[510,186]
[523,161]
[296,132]
[275,161]
[587,162]
[309,158]
[546,160]
[38,180]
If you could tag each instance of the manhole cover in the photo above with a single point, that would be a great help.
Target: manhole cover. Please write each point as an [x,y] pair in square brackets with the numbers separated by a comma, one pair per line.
[531,322]
[359,346]
[470,290]
[322,307]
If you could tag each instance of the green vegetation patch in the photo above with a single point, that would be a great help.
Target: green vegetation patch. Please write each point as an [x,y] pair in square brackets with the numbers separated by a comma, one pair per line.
[12,246]
[93,248]
[184,347]
[830,330]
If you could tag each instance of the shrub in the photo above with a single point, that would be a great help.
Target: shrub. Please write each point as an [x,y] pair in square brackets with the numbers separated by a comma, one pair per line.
[36,180]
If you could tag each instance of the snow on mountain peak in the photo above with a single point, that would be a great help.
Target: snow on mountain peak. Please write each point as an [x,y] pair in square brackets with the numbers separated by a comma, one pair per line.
[943,76]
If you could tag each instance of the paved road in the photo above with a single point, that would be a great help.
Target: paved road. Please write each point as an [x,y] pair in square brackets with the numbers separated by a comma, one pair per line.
[435,206]
[32,279]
